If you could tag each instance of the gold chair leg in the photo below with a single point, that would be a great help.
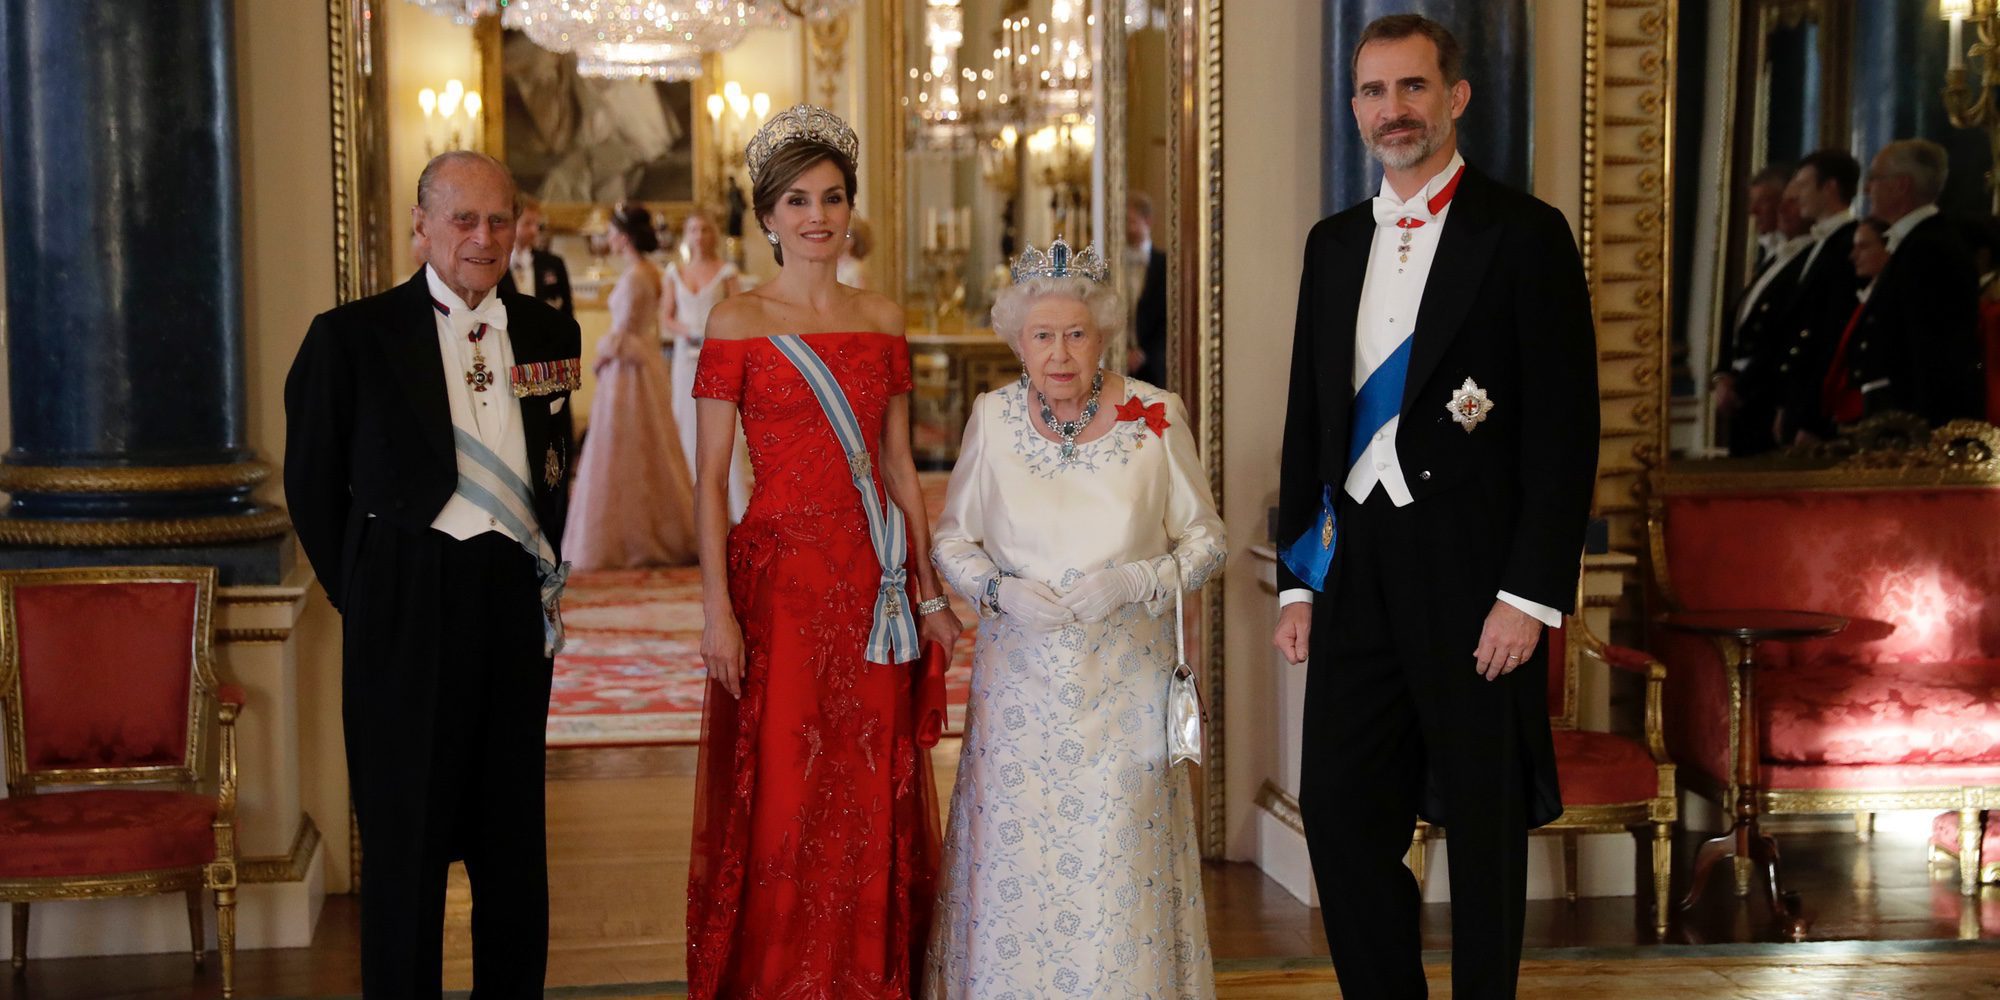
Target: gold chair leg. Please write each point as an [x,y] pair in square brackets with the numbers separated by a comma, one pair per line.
[1663,875]
[194,926]
[1569,864]
[225,938]
[1970,833]
[20,938]
[1864,826]
[1416,857]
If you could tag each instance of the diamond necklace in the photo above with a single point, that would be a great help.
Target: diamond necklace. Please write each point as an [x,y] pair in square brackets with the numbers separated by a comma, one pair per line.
[1069,429]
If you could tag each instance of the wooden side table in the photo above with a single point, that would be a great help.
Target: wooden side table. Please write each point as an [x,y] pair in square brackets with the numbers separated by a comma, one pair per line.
[1745,842]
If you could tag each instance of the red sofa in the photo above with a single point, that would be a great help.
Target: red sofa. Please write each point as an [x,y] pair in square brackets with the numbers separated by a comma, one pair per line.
[1902,711]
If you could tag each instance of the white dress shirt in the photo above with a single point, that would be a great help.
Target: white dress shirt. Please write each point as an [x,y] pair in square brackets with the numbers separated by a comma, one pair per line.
[1780,257]
[1391,292]
[1824,228]
[1908,222]
[493,416]
[522,264]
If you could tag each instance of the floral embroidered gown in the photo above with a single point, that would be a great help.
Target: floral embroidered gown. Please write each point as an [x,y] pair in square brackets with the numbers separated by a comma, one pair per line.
[1070,867]
[815,839]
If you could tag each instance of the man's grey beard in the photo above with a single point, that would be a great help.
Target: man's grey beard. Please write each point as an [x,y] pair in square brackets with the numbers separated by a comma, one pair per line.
[1407,155]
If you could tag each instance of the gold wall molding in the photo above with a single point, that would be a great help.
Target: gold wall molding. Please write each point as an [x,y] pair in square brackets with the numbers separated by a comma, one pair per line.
[248,636]
[1281,805]
[1628,65]
[288,867]
[131,479]
[267,522]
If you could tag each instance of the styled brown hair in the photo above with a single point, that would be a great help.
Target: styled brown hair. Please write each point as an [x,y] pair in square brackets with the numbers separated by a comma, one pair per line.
[783,168]
[636,222]
[1395,27]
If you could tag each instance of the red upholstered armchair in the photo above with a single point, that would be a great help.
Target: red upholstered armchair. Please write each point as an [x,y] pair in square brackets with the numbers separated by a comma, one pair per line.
[1609,782]
[121,745]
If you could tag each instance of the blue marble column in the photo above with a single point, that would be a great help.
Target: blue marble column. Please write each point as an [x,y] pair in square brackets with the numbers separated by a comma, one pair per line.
[1497,130]
[119,194]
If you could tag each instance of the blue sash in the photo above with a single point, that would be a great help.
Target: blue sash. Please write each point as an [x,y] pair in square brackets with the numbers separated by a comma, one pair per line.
[494,488]
[1378,402]
[893,636]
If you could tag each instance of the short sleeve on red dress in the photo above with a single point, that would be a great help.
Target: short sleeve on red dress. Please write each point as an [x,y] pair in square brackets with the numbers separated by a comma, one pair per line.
[899,367]
[719,374]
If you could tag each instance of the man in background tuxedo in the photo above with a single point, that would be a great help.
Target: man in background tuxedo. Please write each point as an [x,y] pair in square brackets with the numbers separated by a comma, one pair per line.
[1456,310]
[1145,291]
[1823,188]
[1747,388]
[427,454]
[532,270]
[1916,347]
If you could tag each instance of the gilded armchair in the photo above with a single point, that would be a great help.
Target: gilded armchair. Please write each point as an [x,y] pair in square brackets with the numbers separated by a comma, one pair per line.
[120,745]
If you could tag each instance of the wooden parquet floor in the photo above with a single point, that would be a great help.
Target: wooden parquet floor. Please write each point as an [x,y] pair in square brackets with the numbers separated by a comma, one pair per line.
[618,844]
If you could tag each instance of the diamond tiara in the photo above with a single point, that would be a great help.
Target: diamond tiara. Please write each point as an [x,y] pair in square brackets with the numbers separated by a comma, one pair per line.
[799,123]
[1059,262]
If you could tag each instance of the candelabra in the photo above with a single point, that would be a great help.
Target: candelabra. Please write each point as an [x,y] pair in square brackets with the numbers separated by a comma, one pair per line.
[730,113]
[1961,107]
[947,240]
[451,116]
[1063,153]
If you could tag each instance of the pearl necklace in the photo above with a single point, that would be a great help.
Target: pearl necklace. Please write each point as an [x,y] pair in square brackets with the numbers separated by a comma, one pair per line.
[1069,429]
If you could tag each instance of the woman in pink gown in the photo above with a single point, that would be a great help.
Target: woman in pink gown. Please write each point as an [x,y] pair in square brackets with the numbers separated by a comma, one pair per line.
[633,502]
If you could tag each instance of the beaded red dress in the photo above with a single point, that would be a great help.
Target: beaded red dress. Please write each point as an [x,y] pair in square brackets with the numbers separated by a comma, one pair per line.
[816,831]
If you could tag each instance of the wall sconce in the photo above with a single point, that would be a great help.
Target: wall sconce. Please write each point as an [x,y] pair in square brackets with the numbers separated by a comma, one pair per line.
[730,113]
[450,116]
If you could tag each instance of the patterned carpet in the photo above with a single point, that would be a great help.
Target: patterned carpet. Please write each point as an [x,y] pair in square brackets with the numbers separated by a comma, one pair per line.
[631,673]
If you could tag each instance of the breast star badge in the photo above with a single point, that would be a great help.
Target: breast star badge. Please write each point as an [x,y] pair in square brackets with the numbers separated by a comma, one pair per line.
[1469,405]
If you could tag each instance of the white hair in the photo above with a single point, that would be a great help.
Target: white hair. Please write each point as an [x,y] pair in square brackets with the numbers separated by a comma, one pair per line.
[1924,162]
[1010,309]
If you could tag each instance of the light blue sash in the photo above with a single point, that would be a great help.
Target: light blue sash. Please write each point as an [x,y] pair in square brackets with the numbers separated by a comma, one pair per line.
[1378,402]
[491,486]
[893,636]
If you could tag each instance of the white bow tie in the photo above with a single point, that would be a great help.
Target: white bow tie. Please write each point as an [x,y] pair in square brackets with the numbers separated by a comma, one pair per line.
[490,311]
[1389,211]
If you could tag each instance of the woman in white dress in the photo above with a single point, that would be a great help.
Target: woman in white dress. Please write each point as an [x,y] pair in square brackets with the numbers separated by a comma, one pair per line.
[1078,503]
[699,280]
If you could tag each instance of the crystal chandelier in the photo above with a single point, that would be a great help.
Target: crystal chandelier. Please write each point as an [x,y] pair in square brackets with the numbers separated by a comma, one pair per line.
[654,39]
[1062,45]
[460,11]
[941,102]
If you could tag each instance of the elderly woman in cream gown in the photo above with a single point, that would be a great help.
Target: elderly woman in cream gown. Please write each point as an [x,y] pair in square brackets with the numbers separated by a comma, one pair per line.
[1077,505]
[694,284]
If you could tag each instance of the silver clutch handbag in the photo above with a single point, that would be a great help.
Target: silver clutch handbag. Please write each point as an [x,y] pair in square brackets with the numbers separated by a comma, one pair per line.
[1183,700]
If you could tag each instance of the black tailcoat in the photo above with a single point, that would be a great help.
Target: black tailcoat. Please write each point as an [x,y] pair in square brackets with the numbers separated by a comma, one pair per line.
[444,684]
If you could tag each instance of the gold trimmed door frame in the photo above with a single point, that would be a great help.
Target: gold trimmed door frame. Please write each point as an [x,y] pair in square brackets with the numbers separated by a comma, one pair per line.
[1628,103]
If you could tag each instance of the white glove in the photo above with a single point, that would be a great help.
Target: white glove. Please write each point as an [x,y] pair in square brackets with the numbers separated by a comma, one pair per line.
[1034,604]
[1097,595]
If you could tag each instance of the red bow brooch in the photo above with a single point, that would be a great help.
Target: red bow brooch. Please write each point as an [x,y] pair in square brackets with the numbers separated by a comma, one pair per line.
[1155,415]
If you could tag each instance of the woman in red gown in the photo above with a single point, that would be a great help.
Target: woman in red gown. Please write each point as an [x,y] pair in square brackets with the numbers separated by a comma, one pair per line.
[815,839]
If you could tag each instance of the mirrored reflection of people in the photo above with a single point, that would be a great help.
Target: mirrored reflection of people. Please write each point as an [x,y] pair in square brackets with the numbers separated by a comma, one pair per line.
[633,504]
[1985,236]
[1917,349]
[1823,188]
[426,469]
[815,836]
[1077,507]
[1747,383]
[1839,401]
[1146,290]
[532,270]
[1455,512]
[853,271]
[695,283]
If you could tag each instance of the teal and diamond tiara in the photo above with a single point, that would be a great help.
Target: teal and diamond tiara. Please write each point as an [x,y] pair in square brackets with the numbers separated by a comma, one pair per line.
[1059,262]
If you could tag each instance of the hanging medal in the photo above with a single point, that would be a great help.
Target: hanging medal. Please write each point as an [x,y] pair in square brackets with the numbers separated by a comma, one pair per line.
[480,377]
